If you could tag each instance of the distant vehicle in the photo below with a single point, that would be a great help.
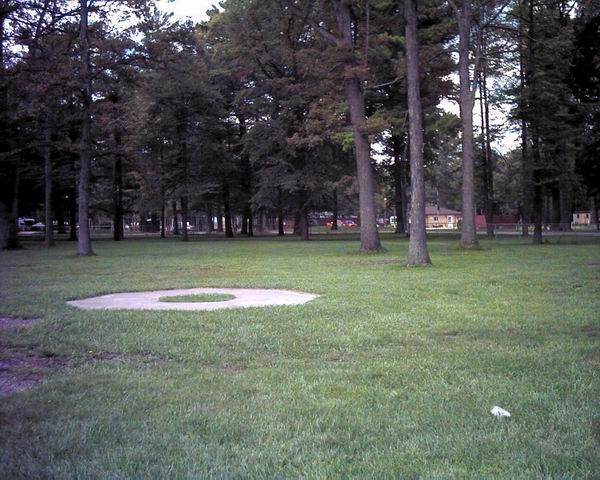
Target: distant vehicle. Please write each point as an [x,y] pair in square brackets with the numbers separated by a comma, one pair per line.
[349,223]
[26,223]
[38,227]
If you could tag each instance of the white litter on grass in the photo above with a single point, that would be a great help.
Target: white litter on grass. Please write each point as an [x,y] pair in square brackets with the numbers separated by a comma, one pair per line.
[500,412]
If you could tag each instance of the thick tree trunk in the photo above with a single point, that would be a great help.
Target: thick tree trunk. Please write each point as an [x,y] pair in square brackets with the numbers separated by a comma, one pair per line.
[565,207]
[537,214]
[59,211]
[487,170]
[594,213]
[163,215]
[227,212]
[297,227]
[538,198]
[244,226]
[48,217]
[210,217]
[219,219]
[250,216]
[468,238]
[73,214]
[304,225]
[184,218]
[334,220]
[418,254]
[118,233]
[525,162]
[280,220]
[555,208]
[84,242]
[369,236]
[175,218]
[12,238]
[400,185]
[260,221]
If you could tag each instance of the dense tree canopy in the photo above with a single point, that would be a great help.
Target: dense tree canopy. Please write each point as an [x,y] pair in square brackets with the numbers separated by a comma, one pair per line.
[272,113]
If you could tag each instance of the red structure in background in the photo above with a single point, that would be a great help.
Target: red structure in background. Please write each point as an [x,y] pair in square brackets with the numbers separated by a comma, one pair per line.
[498,220]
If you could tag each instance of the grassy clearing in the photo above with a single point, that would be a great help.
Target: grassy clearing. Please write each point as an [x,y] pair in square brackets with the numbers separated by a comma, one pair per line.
[391,372]
[199,298]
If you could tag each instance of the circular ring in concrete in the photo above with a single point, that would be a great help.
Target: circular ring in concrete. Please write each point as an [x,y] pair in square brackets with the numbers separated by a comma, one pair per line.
[244,297]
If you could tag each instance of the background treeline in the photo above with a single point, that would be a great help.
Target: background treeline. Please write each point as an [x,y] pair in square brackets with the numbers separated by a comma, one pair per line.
[271,109]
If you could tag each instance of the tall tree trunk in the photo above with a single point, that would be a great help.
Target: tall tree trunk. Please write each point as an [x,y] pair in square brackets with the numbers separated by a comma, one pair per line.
[175,218]
[297,227]
[48,217]
[59,211]
[227,212]
[12,240]
[210,217]
[369,235]
[594,213]
[304,225]
[525,161]
[184,218]
[84,243]
[468,238]
[565,207]
[280,220]
[400,185]
[163,214]
[488,170]
[334,220]
[555,208]
[73,214]
[260,221]
[219,218]
[418,254]
[250,216]
[118,233]
[485,159]
[246,167]
[537,201]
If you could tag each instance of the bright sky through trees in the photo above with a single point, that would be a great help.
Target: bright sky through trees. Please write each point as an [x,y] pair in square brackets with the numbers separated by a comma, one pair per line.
[195,9]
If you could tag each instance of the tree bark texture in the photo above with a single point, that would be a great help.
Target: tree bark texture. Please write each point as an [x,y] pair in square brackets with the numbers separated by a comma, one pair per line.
[400,185]
[334,207]
[369,235]
[280,219]
[118,233]
[227,212]
[184,218]
[418,255]
[175,218]
[468,237]
[84,242]
[48,217]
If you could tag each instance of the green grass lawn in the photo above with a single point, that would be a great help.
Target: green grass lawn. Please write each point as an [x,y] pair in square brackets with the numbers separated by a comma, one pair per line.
[391,372]
[202,297]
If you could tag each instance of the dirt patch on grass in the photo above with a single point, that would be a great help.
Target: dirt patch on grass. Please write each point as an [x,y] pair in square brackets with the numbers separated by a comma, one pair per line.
[591,330]
[449,333]
[10,323]
[124,357]
[22,368]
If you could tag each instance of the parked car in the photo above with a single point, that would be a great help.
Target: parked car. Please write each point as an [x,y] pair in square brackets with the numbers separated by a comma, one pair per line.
[38,227]
[25,223]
